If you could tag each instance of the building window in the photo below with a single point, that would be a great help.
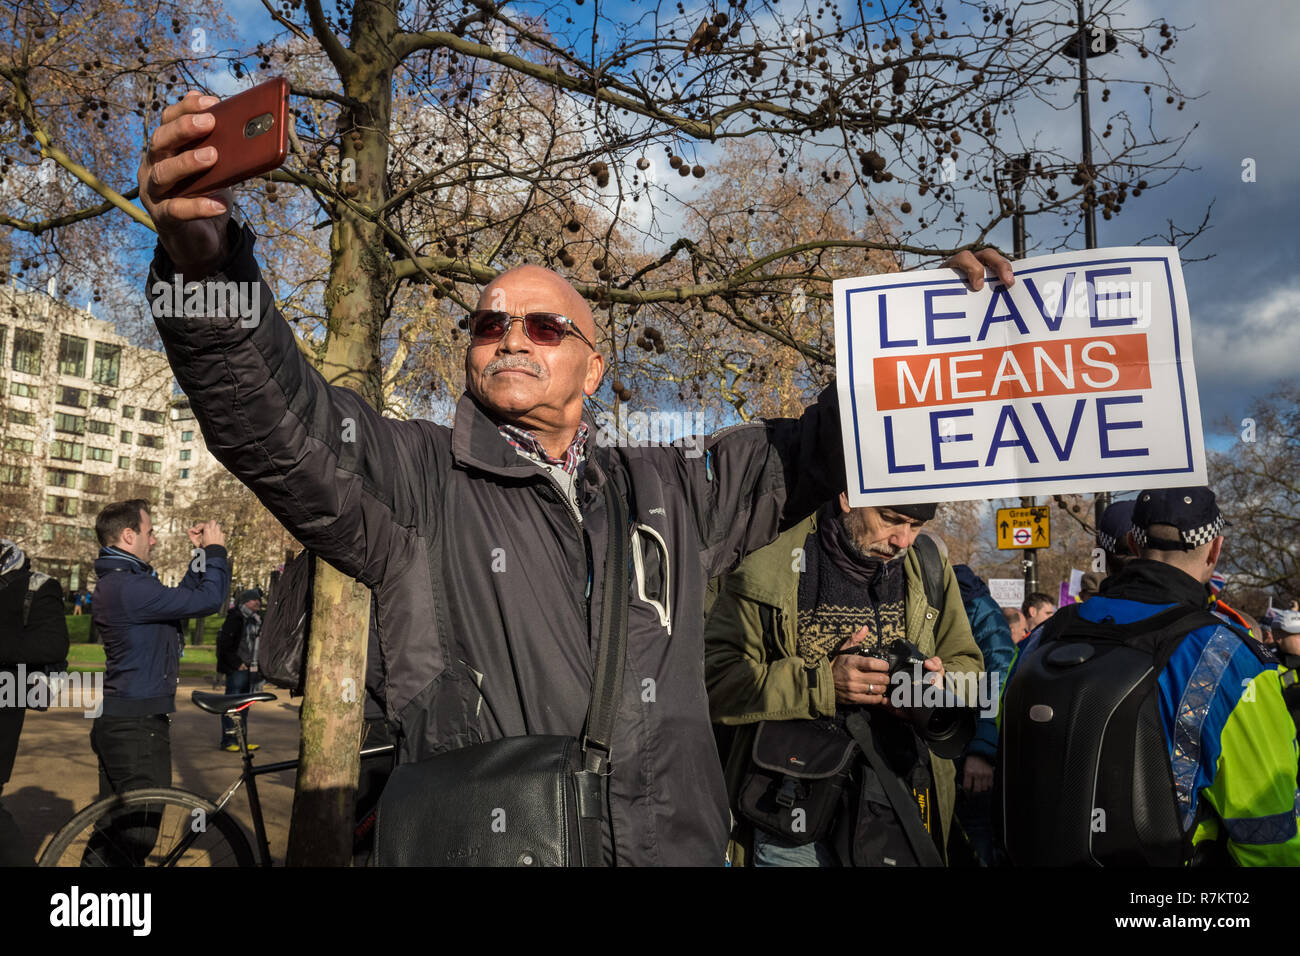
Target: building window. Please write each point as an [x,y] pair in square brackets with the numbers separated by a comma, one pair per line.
[27,351]
[149,467]
[86,533]
[72,356]
[23,390]
[54,505]
[23,446]
[168,498]
[47,532]
[185,454]
[123,461]
[58,478]
[125,437]
[105,401]
[15,474]
[148,441]
[187,436]
[107,359]
[152,417]
[99,428]
[128,411]
[15,417]
[99,454]
[63,422]
[97,484]
[65,450]
[76,397]
[3,330]
[185,472]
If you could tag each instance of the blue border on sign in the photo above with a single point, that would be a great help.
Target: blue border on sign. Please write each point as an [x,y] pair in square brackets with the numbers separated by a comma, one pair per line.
[1182,386]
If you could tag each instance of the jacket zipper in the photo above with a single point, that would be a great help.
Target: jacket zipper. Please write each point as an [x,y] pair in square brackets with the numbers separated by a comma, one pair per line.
[570,508]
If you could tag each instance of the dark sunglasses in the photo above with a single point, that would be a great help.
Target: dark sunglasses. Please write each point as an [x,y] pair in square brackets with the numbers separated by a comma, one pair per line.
[542,328]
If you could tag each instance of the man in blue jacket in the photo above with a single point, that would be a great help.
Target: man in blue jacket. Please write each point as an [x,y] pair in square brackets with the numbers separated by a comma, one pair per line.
[138,619]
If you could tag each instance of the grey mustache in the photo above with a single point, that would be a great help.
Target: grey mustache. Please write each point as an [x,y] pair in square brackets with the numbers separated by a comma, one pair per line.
[512,361]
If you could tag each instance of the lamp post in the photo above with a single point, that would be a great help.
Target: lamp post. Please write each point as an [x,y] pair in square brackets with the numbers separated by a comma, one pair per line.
[1016,172]
[1081,47]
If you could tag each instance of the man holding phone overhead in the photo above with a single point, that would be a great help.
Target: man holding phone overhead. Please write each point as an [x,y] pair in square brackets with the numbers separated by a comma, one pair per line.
[485,542]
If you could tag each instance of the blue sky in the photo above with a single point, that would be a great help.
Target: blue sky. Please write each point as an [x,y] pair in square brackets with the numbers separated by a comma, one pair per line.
[1245,299]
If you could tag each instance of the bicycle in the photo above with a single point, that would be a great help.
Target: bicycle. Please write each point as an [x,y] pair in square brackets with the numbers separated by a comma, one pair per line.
[170,826]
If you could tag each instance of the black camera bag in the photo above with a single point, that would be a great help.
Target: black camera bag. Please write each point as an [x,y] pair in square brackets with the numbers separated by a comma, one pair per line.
[796,775]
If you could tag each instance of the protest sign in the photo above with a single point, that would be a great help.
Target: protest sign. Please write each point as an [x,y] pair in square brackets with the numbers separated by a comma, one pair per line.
[1076,378]
[1007,592]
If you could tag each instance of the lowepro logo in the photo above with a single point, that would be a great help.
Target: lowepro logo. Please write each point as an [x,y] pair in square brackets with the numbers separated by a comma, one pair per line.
[75,908]
[463,853]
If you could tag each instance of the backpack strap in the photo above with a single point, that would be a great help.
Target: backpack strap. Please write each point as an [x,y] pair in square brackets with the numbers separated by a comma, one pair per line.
[35,581]
[927,553]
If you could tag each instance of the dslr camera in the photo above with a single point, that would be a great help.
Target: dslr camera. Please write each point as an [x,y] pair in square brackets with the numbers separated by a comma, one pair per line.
[939,716]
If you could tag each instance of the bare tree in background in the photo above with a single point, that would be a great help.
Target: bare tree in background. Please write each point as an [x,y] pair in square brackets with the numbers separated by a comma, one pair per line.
[1257,481]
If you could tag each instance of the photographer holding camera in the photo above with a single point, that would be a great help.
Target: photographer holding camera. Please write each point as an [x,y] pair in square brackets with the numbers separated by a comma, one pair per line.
[829,648]
[138,618]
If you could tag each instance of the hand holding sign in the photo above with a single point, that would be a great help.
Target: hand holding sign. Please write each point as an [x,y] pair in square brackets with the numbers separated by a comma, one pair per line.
[1078,377]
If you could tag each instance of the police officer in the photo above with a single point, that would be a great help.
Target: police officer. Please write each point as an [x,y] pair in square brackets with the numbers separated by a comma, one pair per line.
[1286,627]
[1139,683]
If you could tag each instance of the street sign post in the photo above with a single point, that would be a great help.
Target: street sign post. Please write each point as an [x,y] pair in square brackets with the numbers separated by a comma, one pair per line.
[1024,528]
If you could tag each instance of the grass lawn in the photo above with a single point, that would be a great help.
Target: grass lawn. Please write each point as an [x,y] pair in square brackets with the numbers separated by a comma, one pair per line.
[197,662]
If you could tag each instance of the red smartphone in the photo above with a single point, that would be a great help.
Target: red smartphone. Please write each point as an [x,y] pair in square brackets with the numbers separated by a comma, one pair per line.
[251,137]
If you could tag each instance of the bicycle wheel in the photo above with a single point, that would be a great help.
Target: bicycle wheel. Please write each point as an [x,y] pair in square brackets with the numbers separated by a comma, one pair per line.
[152,827]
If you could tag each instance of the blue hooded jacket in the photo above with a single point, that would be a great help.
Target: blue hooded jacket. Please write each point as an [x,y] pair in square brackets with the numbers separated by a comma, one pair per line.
[993,635]
[138,620]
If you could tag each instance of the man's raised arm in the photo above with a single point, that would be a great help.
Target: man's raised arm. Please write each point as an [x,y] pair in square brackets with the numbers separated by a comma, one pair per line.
[341,477]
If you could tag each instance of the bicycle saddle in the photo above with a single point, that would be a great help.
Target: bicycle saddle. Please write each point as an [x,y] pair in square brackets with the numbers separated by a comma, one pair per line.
[226,703]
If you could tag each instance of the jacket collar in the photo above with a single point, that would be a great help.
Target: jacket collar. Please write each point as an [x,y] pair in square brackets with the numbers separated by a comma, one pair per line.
[477,443]
[115,559]
[1154,582]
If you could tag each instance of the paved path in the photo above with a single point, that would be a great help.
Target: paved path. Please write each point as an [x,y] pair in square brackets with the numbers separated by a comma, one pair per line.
[56,773]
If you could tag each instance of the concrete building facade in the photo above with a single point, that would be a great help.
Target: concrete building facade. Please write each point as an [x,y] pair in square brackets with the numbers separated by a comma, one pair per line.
[88,418]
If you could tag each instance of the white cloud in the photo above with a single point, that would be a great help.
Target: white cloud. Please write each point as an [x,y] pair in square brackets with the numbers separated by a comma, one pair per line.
[1256,343]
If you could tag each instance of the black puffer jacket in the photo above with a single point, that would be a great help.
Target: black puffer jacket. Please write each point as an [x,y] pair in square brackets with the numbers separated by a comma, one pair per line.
[480,567]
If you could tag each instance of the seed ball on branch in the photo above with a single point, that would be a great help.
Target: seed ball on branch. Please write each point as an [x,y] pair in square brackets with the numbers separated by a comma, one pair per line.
[675,162]
[697,172]
[573,225]
[905,208]
[643,163]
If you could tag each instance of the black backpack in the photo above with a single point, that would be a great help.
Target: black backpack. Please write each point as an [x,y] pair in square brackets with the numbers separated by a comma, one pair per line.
[282,644]
[1083,771]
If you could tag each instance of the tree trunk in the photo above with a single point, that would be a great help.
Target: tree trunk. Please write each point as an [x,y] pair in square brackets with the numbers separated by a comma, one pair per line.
[320,830]
[356,296]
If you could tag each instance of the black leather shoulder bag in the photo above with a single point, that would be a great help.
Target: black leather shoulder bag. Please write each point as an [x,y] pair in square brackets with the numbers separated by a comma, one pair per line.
[536,800]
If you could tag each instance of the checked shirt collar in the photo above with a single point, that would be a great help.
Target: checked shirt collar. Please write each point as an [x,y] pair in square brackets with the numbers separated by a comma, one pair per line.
[526,442]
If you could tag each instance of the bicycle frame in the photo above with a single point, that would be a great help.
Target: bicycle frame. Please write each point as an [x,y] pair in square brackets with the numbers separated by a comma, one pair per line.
[248,775]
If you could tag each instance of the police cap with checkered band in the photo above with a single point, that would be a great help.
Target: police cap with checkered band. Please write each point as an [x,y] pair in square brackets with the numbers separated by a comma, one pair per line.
[1193,511]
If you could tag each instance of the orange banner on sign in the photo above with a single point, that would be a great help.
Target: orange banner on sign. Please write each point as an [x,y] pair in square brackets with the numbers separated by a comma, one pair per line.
[1111,363]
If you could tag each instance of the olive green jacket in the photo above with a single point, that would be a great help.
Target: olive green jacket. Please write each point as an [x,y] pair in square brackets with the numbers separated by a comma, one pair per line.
[753,673]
